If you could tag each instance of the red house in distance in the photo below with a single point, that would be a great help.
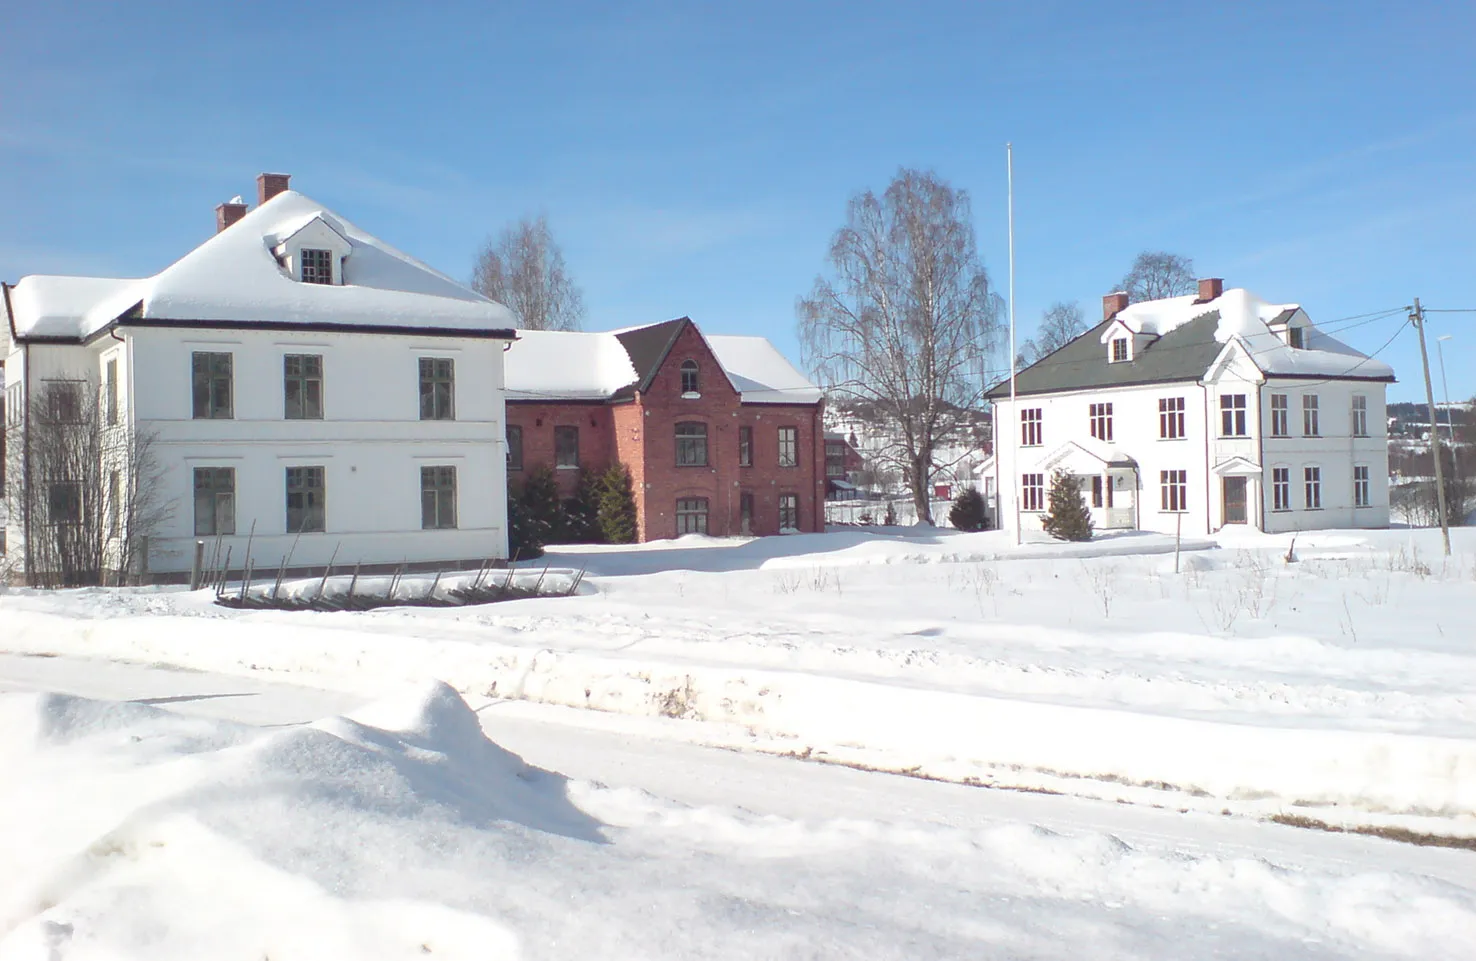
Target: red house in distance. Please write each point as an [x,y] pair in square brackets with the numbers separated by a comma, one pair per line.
[722,435]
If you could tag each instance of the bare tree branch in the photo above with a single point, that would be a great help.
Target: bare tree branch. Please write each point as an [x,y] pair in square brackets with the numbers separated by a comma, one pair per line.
[1059,325]
[906,323]
[524,269]
[1156,274]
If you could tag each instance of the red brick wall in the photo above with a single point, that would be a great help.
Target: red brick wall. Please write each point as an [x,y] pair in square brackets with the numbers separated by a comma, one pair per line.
[538,421]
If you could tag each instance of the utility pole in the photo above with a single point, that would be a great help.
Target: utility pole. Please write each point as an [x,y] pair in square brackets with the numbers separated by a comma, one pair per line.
[1014,410]
[1417,317]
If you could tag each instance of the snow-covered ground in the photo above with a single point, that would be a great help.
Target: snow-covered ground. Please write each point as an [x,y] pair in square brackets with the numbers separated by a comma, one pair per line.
[400,831]
[1336,687]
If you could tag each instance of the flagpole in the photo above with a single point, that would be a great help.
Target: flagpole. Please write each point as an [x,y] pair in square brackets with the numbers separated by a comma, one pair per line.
[1014,453]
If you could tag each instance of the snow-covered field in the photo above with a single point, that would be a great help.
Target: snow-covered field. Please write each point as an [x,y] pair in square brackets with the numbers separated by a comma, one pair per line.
[1334,687]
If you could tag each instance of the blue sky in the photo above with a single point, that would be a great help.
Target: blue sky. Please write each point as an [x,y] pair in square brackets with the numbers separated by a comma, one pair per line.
[695,159]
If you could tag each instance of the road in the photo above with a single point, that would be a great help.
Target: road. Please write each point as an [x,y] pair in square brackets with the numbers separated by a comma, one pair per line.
[589,746]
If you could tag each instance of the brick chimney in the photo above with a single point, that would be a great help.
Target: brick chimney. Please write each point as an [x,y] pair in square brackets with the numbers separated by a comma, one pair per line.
[1210,288]
[228,213]
[269,185]
[1113,304]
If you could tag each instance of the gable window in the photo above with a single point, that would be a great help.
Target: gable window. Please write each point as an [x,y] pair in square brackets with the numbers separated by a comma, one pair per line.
[1171,418]
[1281,489]
[317,266]
[306,498]
[437,388]
[514,447]
[1360,486]
[1279,423]
[1030,427]
[215,500]
[1294,337]
[788,512]
[789,447]
[64,502]
[691,515]
[1101,421]
[302,386]
[212,385]
[691,444]
[1232,415]
[110,391]
[566,446]
[1032,492]
[1174,490]
[1360,415]
[745,447]
[1119,349]
[1310,427]
[437,498]
[1312,479]
[689,376]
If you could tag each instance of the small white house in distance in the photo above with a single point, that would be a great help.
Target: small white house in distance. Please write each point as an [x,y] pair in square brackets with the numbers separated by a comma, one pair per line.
[300,384]
[1195,413]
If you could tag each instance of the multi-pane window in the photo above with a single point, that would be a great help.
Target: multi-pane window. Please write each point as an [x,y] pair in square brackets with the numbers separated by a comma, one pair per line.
[115,502]
[745,447]
[566,446]
[1119,349]
[1360,486]
[110,391]
[306,499]
[691,515]
[691,444]
[437,498]
[317,266]
[1174,490]
[689,376]
[514,447]
[212,385]
[64,502]
[1232,415]
[1312,480]
[1101,420]
[215,500]
[1360,415]
[789,447]
[1281,489]
[1032,492]
[1280,426]
[789,512]
[1310,426]
[63,401]
[1171,418]
[1030,424]
[835,459]
[437,388]
[302,386]
[1295,338]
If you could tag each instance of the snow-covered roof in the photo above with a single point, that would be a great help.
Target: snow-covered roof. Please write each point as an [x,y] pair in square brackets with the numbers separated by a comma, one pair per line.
[559,365]
[235,276]
[563,365]
[760,373]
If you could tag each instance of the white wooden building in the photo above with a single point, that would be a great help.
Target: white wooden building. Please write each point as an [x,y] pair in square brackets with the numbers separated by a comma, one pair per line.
[305,385]
[1198,412]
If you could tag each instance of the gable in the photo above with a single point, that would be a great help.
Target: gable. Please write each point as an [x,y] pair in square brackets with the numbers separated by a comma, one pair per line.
[1183,353]
[647,348]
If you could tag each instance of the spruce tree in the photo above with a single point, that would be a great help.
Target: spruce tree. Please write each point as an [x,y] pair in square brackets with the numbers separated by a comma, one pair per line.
[540,500]
[581,521]
[967,513]
[616,511]
[522,541]
[1067,517]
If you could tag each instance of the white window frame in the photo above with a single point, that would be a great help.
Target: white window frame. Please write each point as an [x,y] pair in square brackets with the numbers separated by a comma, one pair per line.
[1233,416]
[1032,491]
[1280,415]
[1281,489]
[1032,427]
[1311,416]
[1100,420]
[1312,487]
[1173,491]
[1358,419]
[1362,486]
[1171,418]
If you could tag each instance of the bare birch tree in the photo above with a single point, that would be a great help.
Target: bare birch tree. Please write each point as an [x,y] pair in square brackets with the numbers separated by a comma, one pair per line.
[1156,274]
[88,493]
[524,269]
[907,321]
[1060,324]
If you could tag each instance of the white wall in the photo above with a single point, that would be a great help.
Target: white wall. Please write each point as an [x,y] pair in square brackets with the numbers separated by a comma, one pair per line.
[1336,451]
[371,443]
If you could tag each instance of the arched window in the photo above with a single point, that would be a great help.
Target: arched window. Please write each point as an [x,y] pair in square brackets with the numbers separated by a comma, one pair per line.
[691,444]
[689,376]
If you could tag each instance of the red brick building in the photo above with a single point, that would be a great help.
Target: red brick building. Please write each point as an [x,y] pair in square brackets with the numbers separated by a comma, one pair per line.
[722,435]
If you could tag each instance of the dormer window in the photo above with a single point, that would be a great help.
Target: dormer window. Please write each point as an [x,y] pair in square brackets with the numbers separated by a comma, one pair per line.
[689,377]
[317,266]
[1119,350]
[1294,338]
